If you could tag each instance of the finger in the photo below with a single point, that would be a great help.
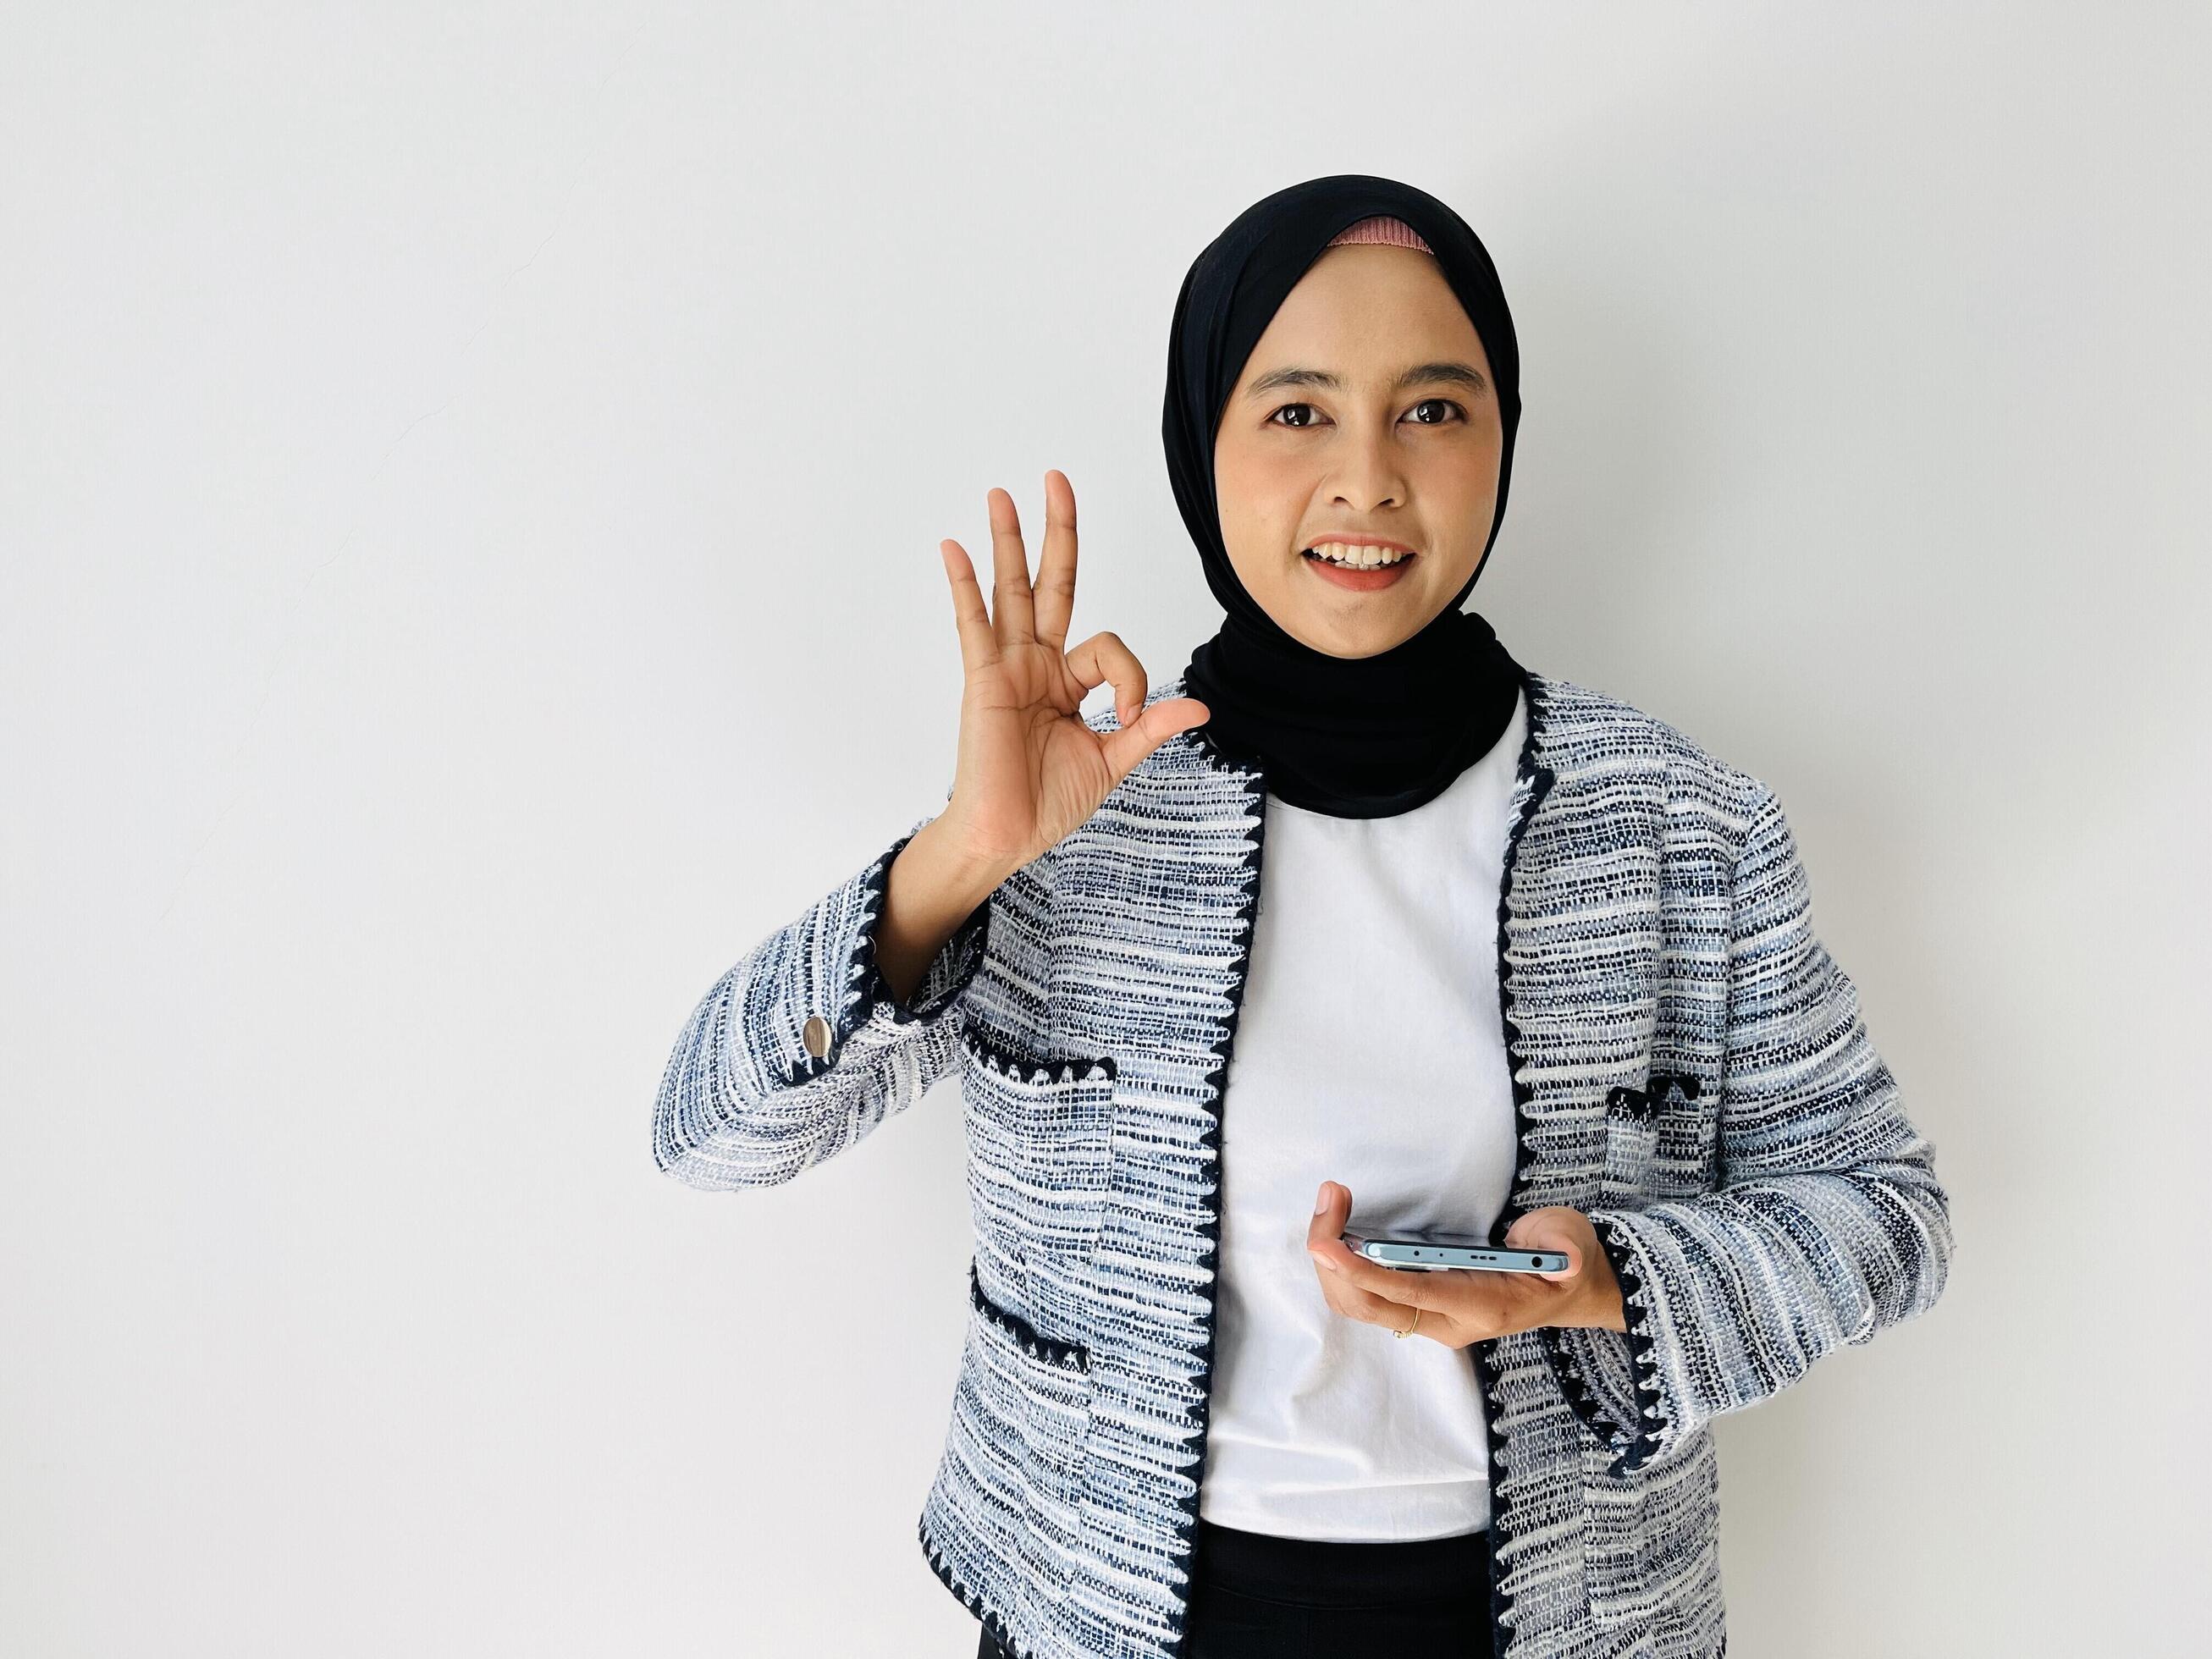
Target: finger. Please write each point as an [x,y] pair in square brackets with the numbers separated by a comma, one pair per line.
[1325,1244]
[1354,1303]
[1411,1286]
[1332,1211]
[1367,1290]
[1055,575]
[979,646]
[1336,1299]
[1365,1305]
[1408,1287]
[1013,610]
[1548,1229]
[1106,656]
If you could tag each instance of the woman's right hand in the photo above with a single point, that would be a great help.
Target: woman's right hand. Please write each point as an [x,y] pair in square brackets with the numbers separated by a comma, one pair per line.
[1030,771]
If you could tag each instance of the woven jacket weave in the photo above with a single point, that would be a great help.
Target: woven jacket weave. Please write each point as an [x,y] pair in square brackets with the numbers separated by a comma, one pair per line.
[1690,1067]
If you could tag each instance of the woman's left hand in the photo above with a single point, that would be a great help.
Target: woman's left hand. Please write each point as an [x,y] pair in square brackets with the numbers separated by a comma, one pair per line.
[1460,1305]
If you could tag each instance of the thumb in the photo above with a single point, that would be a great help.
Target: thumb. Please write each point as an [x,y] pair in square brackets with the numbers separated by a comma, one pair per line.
[1154,726]
[1550,1229]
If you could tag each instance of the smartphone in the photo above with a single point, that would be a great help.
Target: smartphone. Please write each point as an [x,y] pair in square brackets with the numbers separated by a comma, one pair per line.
[1432,1252]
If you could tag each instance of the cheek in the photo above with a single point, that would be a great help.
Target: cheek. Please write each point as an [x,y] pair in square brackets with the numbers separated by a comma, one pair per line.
[1262,506]
[1261,482]
[1469,478]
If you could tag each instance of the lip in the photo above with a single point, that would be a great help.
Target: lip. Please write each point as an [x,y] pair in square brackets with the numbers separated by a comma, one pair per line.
[1360,581]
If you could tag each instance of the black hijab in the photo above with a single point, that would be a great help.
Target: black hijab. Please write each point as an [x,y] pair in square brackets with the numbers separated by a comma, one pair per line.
[1352,737]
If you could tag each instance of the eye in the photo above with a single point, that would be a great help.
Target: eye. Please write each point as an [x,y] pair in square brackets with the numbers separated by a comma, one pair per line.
[1310,415]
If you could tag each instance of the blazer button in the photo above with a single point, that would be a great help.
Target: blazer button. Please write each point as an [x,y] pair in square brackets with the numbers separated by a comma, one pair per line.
[816,1035]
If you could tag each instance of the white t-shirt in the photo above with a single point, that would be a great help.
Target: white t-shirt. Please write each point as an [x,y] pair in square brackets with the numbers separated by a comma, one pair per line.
[1369,1051]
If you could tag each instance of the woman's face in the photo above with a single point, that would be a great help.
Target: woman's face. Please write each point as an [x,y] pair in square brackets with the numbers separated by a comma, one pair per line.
[1365,409]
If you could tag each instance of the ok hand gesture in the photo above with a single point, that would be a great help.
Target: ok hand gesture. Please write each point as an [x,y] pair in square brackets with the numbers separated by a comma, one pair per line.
[1030,771]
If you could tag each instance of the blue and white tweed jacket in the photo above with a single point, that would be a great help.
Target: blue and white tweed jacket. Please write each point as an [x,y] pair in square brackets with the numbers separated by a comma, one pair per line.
[1690,1069]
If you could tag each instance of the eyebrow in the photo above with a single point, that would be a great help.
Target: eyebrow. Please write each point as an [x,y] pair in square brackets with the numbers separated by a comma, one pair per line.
[1420,374]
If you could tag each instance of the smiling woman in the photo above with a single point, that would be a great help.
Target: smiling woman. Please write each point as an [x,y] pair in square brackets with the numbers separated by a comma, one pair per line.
[1528,964]
[1335,395]
[1390,471]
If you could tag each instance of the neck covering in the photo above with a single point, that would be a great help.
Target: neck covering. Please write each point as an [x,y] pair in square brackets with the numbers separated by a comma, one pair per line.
[1351,737]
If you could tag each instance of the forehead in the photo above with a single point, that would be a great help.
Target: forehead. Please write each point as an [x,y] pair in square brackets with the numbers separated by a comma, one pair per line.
[1365,314]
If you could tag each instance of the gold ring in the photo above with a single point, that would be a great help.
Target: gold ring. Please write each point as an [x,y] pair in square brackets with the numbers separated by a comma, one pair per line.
[1411,1328]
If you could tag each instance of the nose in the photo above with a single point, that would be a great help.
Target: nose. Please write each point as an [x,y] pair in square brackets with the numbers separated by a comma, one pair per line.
[1368,477]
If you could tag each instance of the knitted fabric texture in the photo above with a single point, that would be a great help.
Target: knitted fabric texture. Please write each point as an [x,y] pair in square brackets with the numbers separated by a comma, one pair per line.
[1689,1068]
[1382,231]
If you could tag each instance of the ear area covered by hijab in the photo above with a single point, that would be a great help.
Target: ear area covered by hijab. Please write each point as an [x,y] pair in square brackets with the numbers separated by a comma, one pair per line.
[1351,737]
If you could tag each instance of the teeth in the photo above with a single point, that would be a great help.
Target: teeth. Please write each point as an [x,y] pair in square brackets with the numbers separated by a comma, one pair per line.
[1357,557]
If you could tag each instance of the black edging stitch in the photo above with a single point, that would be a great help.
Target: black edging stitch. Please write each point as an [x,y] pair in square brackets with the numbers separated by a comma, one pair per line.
[1632,1448]
[1053,1351]
[1501,1602]
[864,980]
[1643,1354]
[1035,1068]
[865,987]
[1200,1410]
[1577,1390]
[1222,754]
[1646,1104]
[1001,1632]
[1572,1383]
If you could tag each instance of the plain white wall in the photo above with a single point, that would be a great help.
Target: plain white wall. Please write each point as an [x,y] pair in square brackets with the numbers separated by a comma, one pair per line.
[469,484]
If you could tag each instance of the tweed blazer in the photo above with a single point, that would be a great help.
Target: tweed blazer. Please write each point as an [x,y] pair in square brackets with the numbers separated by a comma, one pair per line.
[1690,1069]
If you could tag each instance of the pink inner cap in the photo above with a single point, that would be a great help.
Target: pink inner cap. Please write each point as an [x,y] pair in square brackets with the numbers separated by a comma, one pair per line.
[1382,230]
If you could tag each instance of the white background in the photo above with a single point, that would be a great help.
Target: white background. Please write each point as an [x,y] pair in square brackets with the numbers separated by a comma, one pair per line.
[470,485]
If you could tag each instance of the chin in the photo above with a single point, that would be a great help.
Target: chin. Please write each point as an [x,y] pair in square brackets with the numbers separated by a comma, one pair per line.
[1364,641]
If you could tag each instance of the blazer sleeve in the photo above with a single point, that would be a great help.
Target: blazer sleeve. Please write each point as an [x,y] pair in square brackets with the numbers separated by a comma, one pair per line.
[1827,1225]
[743,1103]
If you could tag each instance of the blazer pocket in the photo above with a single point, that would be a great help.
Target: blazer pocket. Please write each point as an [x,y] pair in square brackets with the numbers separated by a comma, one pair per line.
[1022,1417]
[1660,1138]
[1631,1135]
[1040,1141]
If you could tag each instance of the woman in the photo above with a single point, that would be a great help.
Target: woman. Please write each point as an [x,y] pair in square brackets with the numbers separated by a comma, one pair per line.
[1528,963]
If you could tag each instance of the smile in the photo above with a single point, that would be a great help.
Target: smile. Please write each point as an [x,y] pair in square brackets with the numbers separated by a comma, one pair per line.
[1363,569]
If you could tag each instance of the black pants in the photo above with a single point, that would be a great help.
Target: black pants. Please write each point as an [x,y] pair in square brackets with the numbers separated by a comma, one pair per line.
[1255,1596]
